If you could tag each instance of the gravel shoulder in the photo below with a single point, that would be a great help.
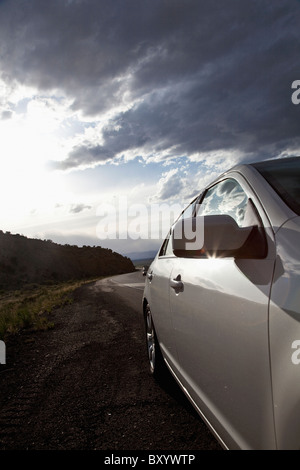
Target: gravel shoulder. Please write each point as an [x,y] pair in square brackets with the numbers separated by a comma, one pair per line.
[84,385]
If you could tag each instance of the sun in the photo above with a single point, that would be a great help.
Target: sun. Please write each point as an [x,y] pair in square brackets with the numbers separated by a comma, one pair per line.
[28,143]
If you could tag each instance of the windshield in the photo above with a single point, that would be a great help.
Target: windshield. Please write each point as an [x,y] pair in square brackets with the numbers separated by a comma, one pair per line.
[284,176]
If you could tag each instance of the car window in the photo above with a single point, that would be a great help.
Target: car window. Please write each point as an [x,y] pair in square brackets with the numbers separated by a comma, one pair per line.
[190,210]
[228,198]
[284,176]
[166,249]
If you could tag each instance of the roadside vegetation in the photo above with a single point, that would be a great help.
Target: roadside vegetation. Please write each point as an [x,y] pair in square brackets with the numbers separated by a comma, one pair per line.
[30,307]
[37,276]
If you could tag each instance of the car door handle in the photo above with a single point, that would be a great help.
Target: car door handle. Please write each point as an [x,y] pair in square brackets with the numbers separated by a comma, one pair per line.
[150,276]
[177,284]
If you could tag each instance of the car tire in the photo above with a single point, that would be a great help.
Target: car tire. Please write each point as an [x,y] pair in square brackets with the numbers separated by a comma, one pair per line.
[156,361]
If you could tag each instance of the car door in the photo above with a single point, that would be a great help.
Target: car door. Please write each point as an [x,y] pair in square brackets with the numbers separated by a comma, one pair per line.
[220,321]
[158,277]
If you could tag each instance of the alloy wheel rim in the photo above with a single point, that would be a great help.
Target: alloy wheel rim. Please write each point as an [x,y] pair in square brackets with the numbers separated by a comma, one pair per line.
[150,341]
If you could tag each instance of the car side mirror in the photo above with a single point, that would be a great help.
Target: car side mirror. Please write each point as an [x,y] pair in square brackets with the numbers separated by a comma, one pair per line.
[217,236]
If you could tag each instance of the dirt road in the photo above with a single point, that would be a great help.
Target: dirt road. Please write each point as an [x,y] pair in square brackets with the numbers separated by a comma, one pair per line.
[85,384]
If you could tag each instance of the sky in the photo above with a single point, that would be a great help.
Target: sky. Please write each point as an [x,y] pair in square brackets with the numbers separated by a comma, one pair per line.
[114,114]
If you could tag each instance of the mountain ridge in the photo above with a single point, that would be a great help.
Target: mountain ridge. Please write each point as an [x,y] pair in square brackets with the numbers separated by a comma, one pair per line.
[26,261]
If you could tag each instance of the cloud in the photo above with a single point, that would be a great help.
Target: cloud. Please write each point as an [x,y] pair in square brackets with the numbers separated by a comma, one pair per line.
[85,155]
[162,80]
[169,186]
[76,208]
[6,114]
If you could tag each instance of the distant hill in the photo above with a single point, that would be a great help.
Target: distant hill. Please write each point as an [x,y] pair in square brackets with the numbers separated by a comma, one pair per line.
[31,261]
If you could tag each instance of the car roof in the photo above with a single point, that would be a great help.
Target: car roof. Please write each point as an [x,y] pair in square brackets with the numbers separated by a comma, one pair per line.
[277,211]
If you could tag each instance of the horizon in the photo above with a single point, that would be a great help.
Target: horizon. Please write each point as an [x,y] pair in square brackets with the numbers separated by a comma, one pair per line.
[140,102]
[148,254]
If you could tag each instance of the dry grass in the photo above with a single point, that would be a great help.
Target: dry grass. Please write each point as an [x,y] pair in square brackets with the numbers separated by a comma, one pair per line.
[30,308]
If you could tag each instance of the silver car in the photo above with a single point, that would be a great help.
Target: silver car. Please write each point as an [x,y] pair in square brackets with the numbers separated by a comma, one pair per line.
[222,305]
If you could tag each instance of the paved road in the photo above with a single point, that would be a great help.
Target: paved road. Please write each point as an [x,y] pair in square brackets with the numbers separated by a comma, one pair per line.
[129,287]
[85,384]
[134,280]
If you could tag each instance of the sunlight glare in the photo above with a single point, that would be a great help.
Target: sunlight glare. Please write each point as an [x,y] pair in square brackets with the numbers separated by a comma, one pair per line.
[28,142]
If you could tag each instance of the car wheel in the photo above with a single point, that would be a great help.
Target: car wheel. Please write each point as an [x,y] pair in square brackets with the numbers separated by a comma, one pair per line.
[155,358]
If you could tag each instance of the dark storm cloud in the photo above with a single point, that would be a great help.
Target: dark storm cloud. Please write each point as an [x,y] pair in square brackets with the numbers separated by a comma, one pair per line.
[196,76]
[85,154]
